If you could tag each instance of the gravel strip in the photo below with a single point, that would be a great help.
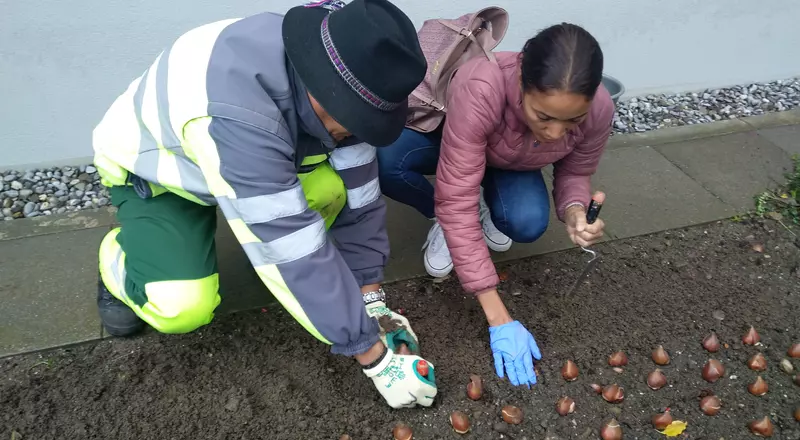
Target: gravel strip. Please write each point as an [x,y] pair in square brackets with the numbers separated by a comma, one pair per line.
[35,193]
[646,113]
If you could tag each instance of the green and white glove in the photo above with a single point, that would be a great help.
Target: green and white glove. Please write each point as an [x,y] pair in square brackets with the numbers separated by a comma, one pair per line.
[398,330]
[397,379]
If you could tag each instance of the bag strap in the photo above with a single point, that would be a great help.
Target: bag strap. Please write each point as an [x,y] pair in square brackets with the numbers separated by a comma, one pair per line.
[467,33]
[428,101]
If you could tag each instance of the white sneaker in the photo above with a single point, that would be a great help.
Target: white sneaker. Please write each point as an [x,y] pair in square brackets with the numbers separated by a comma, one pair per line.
[437,258]
[496,240]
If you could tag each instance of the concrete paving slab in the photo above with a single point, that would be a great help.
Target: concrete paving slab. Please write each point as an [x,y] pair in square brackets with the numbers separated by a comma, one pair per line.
[788,137]
[407,230]
[51,224]
[776,119]
[735,167]
[48,290]
[647,193]
[240,287]
[677,134]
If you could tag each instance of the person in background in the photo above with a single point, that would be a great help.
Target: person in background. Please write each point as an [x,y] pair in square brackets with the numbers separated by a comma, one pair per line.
[274,120]
[505,122]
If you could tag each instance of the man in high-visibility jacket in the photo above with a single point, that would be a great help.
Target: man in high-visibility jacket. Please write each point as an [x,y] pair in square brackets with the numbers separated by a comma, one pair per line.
[274,119]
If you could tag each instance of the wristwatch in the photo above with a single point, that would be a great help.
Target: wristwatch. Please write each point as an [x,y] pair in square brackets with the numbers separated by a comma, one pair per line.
[374,296]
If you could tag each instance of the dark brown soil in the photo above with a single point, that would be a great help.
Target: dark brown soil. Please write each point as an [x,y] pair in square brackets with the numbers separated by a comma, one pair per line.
[259,375]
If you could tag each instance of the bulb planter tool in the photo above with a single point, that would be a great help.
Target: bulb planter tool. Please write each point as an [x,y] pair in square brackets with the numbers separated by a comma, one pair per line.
[591,216]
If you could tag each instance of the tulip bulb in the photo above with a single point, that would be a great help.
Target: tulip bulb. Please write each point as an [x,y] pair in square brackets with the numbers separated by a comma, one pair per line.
[751,337]
[569,371]
[402,431]
[460,422]
[597,388]
[762,427]
[713,370]
[797,413]
[613,393]
[787,366]
[618,359]
[656,380]
[660,356]
[611,430]
[757,362]
[797,379]
[711,343]
[759,387]
[710,405]
[475,387]
[661,421]
[794,351]
[511,414]
[423,368]
[565,406]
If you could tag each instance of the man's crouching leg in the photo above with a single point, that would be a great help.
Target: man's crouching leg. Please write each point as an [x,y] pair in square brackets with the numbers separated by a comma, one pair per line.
[173,306]
[159,267]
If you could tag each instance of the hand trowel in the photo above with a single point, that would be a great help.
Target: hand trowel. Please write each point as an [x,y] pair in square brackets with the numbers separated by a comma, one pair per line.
[591,216]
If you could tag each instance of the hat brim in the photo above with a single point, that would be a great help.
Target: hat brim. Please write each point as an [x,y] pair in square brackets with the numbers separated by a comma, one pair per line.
[303,45]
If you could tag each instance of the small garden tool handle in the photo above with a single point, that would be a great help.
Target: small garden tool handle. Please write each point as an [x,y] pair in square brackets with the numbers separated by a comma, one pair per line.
[593,212]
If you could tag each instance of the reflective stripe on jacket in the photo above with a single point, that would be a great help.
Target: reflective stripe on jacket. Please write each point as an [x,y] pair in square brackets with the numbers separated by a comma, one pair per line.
[221,118]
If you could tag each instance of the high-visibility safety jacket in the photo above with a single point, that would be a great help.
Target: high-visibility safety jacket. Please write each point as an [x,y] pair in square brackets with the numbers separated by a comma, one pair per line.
[221,118]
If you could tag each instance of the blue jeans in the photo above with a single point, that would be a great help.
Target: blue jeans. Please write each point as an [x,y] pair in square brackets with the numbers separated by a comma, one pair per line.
[518,200]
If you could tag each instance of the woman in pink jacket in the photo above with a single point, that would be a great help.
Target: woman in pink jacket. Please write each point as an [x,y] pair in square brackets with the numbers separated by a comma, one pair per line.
[505,122]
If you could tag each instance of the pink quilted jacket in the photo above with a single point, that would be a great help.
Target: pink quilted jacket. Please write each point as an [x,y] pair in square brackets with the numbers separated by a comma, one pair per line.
[485,126]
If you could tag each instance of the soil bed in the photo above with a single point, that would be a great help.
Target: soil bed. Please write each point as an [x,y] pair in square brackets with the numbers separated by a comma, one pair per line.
[260,375]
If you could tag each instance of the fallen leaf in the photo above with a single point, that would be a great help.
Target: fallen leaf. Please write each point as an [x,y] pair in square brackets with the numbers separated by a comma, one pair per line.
[674,429]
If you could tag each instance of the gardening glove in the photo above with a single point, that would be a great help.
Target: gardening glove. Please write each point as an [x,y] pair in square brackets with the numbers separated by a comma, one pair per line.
[397,379]
[515,349]
[395,328]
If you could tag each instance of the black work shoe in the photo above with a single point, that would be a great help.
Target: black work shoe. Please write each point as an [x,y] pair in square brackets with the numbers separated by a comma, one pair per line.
[118,319]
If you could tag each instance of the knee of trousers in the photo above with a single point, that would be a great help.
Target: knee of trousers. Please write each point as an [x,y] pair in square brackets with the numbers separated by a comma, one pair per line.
[180,306]
[526,228]
[174,306]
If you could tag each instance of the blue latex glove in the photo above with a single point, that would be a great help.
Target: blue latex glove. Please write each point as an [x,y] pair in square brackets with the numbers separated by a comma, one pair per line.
[514,348]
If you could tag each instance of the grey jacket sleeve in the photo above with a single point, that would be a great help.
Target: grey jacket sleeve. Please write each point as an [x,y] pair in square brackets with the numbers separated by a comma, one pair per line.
[284,239]
[360,228]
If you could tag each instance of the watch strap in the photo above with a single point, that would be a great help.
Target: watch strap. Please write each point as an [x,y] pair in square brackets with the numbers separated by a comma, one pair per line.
[375,296]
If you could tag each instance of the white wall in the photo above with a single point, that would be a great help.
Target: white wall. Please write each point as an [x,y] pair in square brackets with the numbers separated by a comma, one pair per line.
[63,62]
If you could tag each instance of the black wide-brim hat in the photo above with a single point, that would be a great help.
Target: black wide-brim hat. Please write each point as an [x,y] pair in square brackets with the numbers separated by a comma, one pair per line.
[360,62]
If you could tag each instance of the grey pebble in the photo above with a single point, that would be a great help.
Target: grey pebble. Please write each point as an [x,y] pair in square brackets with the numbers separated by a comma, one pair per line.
[12,193]
[29,208]
[90,169]
[16,184]
[9,177]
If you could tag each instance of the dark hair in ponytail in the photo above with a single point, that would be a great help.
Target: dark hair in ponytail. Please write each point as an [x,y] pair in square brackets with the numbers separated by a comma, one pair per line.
[563,57]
